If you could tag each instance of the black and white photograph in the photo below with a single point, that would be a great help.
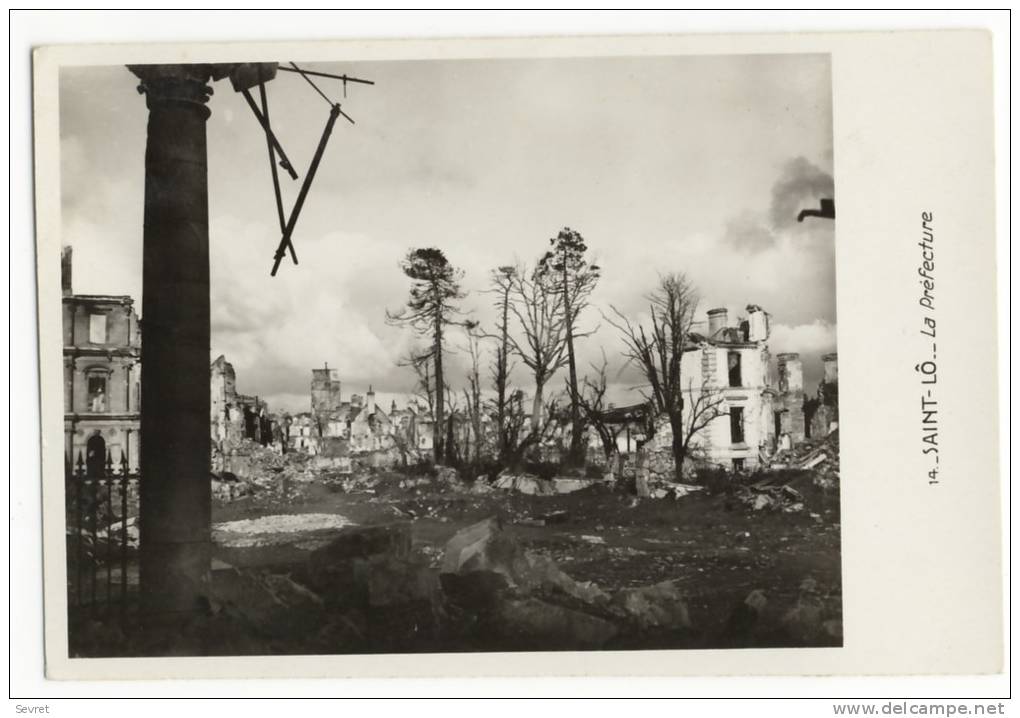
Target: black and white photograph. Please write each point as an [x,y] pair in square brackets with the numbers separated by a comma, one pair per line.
[450,355]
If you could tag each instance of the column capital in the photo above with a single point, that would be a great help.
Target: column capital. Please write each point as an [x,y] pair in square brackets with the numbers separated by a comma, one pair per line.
[180,85]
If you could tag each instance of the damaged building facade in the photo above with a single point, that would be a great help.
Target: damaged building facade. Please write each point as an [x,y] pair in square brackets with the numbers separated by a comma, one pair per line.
[234,417]
[821,414]
[102,377]
[756,404]
[102,384]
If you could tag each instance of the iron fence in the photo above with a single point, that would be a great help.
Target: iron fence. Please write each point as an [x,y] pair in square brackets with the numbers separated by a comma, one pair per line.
[102,539]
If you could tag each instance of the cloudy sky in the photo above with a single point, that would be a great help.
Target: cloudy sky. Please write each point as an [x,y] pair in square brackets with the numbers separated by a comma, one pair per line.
[692,164]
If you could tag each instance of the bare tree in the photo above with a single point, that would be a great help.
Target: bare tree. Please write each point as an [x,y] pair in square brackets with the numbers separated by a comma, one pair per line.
[528,434]
[424,391]
[455,441]
[571,275]
[658,349]
[403,440]
[540,318]
[473,391]
[435,286]
[514,436]
[592,400]
[502,365]
[703,406]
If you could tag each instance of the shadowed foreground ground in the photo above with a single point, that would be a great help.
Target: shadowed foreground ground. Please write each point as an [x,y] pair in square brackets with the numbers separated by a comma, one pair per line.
[568,571]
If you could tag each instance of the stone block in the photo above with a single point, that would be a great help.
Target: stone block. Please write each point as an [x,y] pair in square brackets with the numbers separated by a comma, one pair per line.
[534,620]
[468,548]
[658,606]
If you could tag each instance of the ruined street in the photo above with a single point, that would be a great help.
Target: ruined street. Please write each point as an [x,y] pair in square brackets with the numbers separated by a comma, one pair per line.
[711,547]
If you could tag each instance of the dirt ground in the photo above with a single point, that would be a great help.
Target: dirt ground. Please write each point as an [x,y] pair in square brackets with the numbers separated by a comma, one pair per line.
[717,549]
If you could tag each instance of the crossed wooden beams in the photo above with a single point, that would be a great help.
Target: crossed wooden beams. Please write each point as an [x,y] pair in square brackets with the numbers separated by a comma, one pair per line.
[275,149]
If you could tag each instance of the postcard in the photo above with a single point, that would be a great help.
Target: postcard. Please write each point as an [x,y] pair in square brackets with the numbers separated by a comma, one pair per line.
[651,355]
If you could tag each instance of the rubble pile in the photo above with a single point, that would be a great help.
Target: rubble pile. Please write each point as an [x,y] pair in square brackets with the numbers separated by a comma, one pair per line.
[668,489]
[251,469]
[525,597]
[659,465]
[773,497]
[821,457]
[525,483]
[812,619]
[370,588]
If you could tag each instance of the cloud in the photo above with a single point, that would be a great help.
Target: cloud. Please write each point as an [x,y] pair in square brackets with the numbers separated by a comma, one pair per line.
[801,185]
[747,232]
[818,337]
[705,179]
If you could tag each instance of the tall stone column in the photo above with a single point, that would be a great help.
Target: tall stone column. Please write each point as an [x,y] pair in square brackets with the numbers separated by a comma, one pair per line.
[175,489]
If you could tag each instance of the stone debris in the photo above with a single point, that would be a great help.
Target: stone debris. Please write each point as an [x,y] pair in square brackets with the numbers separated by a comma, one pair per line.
[809,621]
[537,620]
[773,498]
[524,484]
[658,606]
[744,618]
[392,581]
[671,490]
[448,475]
[467,550]
[821,457]
[273,604]
[481,486]
[388,594]
[485,569]
[555,517]
[371,586]
[485,547]
[361,543]
[534,486]
[563,485]
[115,531]
[273,530]
[534,572]
[475,590]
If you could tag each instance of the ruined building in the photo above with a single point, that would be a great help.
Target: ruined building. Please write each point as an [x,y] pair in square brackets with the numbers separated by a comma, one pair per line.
[102,376]
[357,426]
[728,369]
[325,391]
[822,412]
[233,416]
[102,383]
[788,402]
[753,407]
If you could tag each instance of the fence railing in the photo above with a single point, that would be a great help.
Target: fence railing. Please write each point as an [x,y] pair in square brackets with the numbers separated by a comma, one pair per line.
[102,538]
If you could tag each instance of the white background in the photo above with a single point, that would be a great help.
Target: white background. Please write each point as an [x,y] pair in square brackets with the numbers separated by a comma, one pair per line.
[28,30]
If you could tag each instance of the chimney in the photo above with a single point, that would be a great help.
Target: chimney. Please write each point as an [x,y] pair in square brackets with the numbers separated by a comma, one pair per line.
[831,372]
[791,372]
[758,323]
[716,320]
[370,398]
[65,271]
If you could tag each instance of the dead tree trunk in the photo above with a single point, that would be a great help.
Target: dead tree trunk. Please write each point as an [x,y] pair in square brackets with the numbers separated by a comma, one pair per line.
[437,350]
